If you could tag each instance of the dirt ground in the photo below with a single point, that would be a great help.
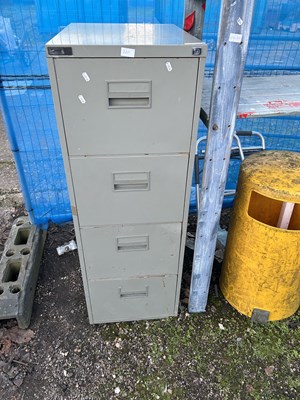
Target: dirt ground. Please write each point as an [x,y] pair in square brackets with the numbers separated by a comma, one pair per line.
[219,354]
[215,355]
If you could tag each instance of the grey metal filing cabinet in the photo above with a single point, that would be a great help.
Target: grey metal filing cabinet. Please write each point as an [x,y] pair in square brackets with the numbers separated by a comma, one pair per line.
[127,99]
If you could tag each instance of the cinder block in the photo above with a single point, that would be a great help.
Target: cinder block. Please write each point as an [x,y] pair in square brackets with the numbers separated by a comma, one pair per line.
[19,268]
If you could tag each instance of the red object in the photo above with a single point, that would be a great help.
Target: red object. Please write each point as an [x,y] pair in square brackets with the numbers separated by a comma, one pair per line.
[203,6]
[189,21]
[282,103]
[245,115]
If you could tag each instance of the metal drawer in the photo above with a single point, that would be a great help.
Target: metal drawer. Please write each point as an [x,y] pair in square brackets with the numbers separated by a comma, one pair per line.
[127,106]
[129,190]
[132,299]
[126,251]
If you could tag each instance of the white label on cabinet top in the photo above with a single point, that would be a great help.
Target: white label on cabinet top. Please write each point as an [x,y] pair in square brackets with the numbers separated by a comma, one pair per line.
[126,52]
[86,77]
[235,37]
[169,66]
[81,99]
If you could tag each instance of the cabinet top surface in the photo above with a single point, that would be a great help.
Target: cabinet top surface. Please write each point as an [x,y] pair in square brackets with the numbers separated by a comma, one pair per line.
[86,37]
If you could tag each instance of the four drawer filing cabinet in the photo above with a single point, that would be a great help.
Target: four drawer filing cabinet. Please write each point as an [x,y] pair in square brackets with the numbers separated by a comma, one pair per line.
[127,100]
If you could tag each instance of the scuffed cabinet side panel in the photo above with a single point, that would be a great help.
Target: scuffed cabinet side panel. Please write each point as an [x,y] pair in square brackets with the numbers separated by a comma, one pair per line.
[64,147]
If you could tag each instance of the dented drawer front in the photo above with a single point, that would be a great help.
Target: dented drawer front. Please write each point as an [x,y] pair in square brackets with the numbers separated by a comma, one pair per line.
[124,251]
[129,190]
[132,299]
[124,106]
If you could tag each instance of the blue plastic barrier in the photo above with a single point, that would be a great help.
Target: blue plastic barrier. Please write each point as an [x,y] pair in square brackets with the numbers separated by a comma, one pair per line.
[53,15]
[275,35]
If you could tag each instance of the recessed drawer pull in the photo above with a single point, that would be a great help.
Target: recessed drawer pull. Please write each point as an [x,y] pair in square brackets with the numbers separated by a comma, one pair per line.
[129,94]
[134,293]
[131,186]
[131,181]
[132,247]
[128,102]
[133,243]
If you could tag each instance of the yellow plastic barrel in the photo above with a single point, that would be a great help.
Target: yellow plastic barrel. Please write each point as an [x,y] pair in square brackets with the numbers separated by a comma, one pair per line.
[261,268]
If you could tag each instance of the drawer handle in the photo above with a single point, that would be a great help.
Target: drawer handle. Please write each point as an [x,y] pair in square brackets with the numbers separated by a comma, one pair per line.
[128,102]
[131,181]
[118,187]
[134,293]
[129,94]
[133,243]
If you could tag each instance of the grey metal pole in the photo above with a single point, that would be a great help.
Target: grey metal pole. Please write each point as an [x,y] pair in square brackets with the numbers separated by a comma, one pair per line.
[233,38]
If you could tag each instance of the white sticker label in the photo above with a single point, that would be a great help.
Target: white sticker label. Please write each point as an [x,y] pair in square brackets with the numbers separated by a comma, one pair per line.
[125,52]
[240,21]
[86,77]
[169,66]
[235,37]
[81,99]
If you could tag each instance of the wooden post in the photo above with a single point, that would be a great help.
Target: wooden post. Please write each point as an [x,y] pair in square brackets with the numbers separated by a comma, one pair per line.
[233,37]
